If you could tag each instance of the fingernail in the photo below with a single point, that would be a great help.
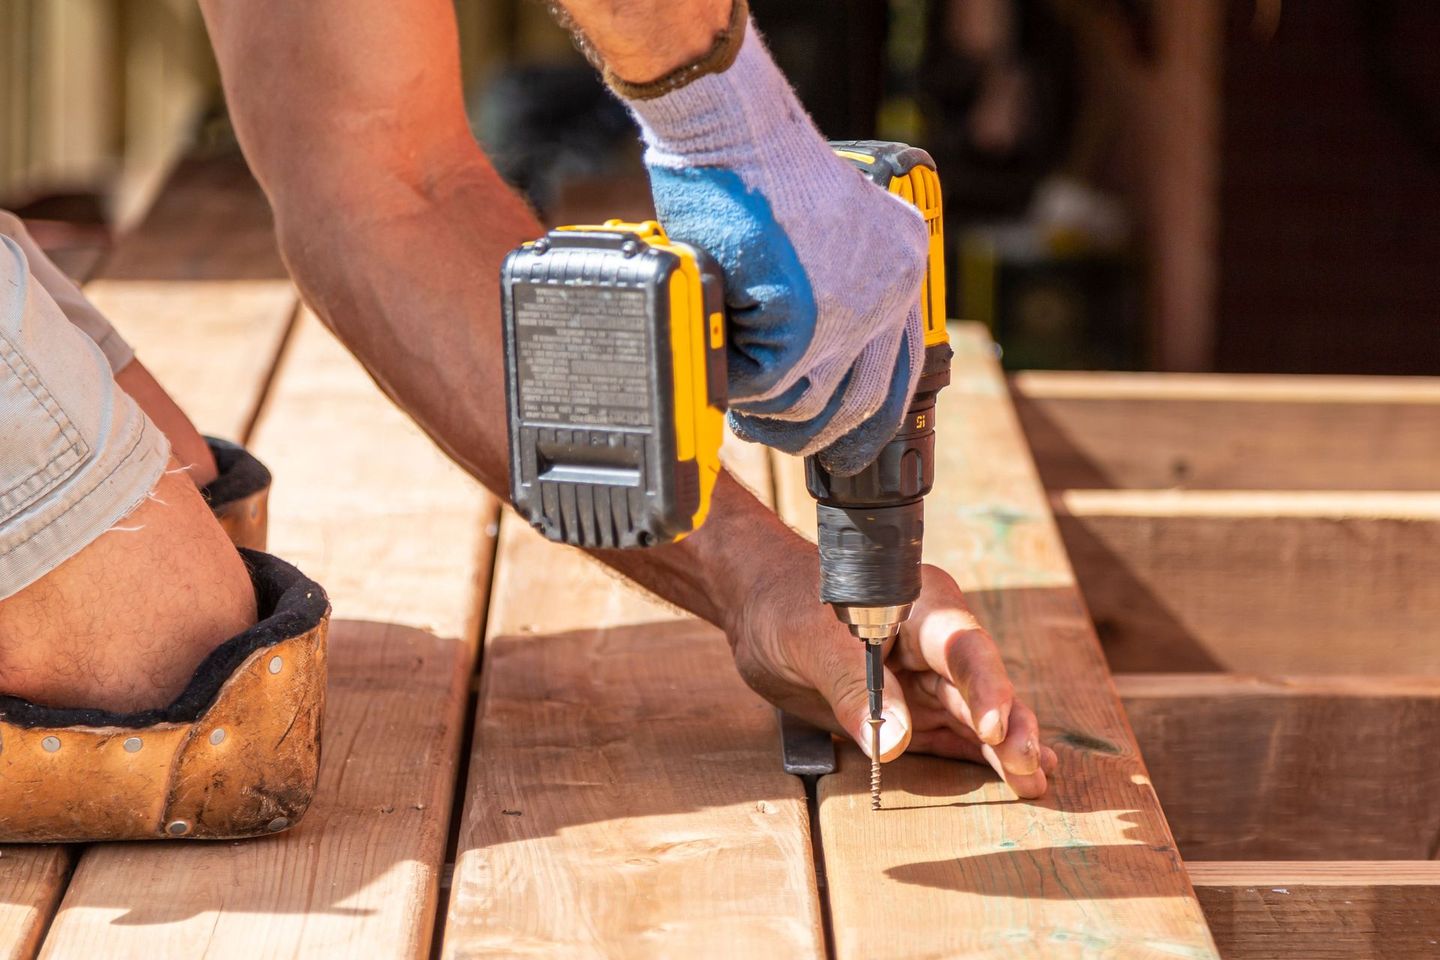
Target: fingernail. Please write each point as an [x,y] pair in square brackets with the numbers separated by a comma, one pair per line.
[1029,759]
[892,733]
[990,730]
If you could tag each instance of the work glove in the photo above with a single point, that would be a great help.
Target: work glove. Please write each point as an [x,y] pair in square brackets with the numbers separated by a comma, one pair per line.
[823,269]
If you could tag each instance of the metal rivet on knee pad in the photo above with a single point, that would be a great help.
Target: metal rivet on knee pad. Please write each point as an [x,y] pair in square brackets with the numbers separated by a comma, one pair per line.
[217,736]
[178,828]
[275,664]
[133,744]
[279,823]
[50,744]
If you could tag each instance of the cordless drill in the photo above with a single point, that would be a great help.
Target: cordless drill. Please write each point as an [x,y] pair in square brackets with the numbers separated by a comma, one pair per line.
[616,391]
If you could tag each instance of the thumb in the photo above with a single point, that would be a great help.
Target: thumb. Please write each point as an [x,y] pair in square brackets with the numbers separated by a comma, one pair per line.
[842,684]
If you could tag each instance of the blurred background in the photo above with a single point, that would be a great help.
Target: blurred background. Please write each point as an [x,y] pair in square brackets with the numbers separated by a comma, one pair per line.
[1233,185]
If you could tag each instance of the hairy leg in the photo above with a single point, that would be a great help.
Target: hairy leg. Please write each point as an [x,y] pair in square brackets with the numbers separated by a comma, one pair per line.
[123,624]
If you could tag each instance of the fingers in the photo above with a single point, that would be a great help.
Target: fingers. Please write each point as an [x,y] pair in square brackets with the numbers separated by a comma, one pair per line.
[946,638]
[1021,759]
[1019,753]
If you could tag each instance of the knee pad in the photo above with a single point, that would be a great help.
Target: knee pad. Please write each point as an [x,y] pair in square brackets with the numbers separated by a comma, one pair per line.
[239,495]
[237,754]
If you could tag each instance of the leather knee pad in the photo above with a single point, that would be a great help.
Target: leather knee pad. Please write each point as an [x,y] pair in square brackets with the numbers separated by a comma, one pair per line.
[239,495]
[237,754]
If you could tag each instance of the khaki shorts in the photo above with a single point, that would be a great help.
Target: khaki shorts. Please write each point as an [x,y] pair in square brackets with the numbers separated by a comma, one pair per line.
[76,453]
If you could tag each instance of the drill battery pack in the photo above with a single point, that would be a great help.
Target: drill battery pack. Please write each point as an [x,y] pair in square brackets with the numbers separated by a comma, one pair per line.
[614,382]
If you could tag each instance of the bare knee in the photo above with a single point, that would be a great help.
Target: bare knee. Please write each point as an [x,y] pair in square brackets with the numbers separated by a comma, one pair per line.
[123,624]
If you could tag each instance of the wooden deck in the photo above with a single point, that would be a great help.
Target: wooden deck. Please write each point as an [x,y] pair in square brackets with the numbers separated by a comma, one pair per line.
[525,757]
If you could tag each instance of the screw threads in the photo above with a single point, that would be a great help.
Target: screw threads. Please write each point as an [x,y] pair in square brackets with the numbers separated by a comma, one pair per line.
[875,762]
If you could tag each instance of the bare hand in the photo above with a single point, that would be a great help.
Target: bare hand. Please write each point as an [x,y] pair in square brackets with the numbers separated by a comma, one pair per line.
[946,688]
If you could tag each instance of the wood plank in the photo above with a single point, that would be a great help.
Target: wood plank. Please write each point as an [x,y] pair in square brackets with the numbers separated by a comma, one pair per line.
[625,795]
[1297,768]
[201,294]
[1231,432]
[1259,582]
[31,882]
[1353,910]
[956,865]
[212,340]
[364,503]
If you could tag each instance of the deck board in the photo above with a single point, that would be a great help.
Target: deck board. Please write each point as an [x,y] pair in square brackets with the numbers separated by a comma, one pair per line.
[626,797]
[956,865]
[201,294]
[364,503]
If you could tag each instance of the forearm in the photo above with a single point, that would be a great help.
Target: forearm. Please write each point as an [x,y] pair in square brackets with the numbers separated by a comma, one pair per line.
[414,296]
[396,239]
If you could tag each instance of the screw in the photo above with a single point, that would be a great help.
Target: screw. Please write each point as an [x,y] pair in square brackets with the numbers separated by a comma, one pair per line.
[133,744]
[50,744]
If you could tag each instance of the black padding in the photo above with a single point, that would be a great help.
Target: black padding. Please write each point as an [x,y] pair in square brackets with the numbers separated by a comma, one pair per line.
[240,474]
[289,604]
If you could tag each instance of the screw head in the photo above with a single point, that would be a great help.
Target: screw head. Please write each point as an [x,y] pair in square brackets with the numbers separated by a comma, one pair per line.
[217,736]
[133,744]
[50,744]
[178,828]
[275,664]
[541,245]
[278,824]
[629,248]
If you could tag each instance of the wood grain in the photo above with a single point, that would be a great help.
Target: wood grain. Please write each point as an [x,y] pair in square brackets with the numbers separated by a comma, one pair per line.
[1352,910]
[625,795]
[364,503]
[1259,582]
[200,293]
[31,882]
[1231,432]
[956,866]
[1299,768]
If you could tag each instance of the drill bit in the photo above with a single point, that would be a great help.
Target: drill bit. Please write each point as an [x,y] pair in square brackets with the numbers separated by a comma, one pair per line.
[875,685]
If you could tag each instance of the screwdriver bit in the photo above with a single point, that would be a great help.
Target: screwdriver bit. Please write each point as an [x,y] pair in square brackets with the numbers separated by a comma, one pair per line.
[875,686]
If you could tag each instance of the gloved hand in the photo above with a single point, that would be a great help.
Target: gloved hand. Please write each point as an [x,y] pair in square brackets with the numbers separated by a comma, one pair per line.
[823,268]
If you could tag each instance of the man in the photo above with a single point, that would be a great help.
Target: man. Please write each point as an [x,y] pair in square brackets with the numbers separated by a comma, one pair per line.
[393,223]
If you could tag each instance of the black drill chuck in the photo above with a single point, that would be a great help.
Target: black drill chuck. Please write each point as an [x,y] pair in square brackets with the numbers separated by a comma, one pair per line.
[871,526]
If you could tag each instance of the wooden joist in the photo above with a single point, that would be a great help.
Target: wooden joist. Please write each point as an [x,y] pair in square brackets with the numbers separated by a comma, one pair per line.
[956,865]
[1317,768]
[1263,582]
[625,795]
[1317,910]
[1231,432]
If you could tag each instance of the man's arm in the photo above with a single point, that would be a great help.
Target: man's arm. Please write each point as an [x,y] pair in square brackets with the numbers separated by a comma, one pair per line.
[394,225]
